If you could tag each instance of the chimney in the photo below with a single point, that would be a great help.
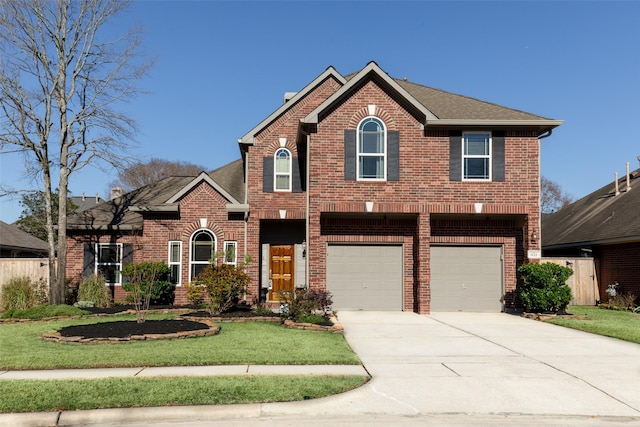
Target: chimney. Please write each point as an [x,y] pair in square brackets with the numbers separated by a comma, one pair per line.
[616,180]
[628,179]
[83,198]
[288,96]
[116,192]
[97,198]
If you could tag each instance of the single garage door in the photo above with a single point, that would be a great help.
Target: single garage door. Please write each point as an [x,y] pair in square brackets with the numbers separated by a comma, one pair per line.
[365,277]
[466,278]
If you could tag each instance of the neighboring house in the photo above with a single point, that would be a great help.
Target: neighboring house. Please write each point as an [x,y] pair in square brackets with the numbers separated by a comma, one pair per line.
[389,194]
[82,203]
[15,243]
[604,225]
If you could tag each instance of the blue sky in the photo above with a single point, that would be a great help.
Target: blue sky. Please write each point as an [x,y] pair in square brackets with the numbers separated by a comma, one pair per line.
[222,67]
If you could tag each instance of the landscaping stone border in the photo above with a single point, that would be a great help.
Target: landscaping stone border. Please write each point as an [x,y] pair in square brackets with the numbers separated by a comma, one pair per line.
[213,330]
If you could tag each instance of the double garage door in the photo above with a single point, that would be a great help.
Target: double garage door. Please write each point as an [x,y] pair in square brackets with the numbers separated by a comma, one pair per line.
[370,277]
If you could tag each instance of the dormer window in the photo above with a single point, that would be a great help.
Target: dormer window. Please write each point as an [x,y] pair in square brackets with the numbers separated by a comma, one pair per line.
[371,150]
[282,170]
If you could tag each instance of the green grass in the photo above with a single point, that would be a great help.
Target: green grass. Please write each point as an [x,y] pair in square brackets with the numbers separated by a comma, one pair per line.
[258,343]
[42,396]
[623,325]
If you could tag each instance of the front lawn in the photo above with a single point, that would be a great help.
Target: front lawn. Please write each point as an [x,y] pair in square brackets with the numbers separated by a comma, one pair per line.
[44,396]
[623,325]
[256,343]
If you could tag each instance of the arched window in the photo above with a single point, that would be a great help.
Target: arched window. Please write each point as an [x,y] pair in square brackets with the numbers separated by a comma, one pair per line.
[203,246]
[372,149]
[282,160]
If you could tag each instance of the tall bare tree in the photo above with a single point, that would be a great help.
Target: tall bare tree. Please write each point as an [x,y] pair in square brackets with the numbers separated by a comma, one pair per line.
[62,72]
[552,197]
[140,174]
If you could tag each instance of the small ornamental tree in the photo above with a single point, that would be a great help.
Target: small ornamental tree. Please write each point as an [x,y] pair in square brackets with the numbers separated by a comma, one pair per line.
[146,281]
[224,285]
[543,287]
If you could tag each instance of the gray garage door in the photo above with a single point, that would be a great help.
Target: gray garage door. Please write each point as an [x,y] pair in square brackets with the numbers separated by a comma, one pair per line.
[365,277]
[466,278]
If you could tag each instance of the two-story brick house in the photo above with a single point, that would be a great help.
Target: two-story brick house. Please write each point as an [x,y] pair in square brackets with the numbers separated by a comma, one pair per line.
[389,194]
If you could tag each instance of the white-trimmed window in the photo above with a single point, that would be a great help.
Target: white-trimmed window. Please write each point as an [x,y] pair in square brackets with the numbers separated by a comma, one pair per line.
[175,262]
[371,150]
[203,248]
[230,253]
[476,156]
[282,170]
[109,262]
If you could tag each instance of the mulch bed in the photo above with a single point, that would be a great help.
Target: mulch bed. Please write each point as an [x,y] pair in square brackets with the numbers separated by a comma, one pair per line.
[125,329]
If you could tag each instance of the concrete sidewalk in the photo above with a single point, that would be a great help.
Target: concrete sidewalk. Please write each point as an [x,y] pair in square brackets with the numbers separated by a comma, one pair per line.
[184,371]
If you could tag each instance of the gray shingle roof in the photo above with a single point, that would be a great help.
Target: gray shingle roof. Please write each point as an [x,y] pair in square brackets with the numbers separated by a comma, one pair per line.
[13,238]
[600,217]
[118,213]
[447,105]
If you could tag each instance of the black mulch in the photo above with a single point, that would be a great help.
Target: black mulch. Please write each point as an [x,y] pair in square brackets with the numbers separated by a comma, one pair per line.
[124,329]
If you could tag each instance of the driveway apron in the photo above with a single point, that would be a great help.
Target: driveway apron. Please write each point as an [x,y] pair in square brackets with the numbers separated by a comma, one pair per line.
[481,363]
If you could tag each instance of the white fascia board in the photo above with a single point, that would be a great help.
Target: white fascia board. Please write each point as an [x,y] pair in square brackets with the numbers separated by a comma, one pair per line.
[197,180]
[237,207]
[483,122]
[247,139]
[312,118]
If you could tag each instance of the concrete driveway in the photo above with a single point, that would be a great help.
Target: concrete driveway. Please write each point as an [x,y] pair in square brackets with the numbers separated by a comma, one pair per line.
[485,364]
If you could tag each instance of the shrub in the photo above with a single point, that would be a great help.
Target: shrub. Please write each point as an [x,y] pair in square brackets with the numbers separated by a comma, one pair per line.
[21,293]
[543,287]
[224,285]
[195,294]
[44,311]
[622,301]
[304,303]
[146,282]
[93,289]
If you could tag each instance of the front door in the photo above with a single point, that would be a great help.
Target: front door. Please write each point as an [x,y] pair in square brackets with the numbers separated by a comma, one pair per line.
[281,270]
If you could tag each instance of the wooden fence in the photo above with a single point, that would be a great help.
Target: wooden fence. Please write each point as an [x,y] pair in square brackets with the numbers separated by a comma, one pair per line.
[583,282]
[35,268]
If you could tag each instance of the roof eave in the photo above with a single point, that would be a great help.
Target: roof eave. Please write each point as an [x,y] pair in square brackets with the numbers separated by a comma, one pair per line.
[174,207]
[613,241]
[197,180]
[542,123]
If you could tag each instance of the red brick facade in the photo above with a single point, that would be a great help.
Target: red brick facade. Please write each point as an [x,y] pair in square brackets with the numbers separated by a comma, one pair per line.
[619,263]
[423,207]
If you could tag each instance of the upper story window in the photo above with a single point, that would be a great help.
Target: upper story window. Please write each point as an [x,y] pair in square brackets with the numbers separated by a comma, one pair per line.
[109,262]
[476,156]
[203,244]
[282,170]
[371,150]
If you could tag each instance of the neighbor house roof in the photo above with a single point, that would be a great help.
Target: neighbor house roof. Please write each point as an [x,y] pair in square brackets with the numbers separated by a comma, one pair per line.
[11,237]
[124,213]
[599,218]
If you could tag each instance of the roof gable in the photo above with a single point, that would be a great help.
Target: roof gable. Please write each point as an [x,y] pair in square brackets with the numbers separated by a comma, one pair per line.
[248,138]
[203,177]
[371,71]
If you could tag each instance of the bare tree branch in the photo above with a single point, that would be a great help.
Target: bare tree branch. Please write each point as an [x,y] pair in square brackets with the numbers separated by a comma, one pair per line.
[61,79]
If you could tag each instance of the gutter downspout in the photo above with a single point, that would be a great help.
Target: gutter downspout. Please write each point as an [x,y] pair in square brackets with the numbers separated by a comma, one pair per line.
[307,211]
[543,135]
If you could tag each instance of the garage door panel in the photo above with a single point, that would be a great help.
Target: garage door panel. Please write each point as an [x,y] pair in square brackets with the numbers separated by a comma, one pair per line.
[365,277]
[466,278]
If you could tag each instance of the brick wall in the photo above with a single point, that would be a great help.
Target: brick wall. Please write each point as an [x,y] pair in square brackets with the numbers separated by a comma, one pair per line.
[619,263]
[151,243]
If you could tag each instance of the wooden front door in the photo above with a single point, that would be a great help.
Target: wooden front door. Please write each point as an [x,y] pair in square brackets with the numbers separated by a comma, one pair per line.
[281,270]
